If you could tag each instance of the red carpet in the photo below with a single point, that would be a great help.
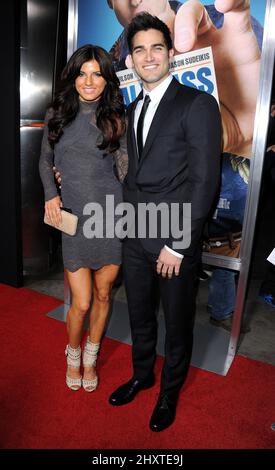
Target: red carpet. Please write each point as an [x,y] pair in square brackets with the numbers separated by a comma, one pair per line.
[39,412]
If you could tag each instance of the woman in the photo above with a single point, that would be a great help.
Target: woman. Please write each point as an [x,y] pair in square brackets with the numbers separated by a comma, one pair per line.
[84,125]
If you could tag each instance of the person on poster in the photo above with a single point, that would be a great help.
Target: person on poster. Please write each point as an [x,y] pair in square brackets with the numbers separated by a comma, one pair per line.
[224,238]
[84,126]
[235,38]
[170,164]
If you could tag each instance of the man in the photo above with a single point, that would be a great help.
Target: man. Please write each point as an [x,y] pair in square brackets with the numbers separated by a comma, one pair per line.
[179,163]
[235,37]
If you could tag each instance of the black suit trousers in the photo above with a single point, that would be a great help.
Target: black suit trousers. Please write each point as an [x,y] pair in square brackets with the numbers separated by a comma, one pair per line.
[178,296]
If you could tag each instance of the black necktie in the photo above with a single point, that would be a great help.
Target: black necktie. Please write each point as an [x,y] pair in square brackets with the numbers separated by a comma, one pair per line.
[140,124]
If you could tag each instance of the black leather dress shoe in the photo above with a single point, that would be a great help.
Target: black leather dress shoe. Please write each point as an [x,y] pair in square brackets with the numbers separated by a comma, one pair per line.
[127,392]
[163,414]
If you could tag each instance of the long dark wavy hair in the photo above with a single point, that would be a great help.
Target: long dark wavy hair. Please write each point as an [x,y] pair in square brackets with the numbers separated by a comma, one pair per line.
[110,112]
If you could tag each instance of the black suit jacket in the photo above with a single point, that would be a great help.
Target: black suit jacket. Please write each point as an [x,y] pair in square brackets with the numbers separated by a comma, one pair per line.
[180,160]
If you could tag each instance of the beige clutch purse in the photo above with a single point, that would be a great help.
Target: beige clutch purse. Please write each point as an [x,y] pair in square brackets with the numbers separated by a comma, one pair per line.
[68,224]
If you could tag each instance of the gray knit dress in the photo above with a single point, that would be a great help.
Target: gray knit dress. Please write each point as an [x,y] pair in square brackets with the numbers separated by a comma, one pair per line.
[88,176]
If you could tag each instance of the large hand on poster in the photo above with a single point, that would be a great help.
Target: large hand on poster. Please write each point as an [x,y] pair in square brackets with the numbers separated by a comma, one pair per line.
[237,64]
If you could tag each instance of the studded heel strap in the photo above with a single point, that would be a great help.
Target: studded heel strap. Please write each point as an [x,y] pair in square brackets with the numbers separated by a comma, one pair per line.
[90,353]
[89,359]
[73,360]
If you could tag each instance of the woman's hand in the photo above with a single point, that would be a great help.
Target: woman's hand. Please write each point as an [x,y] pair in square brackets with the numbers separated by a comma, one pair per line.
[53,211]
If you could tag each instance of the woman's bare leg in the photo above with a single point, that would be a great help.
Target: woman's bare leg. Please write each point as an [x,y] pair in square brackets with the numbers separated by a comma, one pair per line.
[103,280]
[80,283]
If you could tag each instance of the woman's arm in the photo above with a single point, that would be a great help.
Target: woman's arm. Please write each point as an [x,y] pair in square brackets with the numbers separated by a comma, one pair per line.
[52,199]
[121,159]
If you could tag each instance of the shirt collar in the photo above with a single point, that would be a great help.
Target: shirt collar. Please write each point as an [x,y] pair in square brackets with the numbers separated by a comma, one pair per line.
[157,93]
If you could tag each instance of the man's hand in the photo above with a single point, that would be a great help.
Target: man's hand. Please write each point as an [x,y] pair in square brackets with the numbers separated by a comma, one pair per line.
[52,210]
[167,264]
[237,64]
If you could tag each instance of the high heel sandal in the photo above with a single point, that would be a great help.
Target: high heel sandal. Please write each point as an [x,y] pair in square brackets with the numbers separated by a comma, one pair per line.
[73,360]
[89,359]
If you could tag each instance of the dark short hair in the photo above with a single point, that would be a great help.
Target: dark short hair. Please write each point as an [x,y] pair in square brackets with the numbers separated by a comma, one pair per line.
[143,22]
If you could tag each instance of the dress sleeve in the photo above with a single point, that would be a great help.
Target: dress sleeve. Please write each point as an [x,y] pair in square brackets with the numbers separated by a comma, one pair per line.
[121,159]
[46,163]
